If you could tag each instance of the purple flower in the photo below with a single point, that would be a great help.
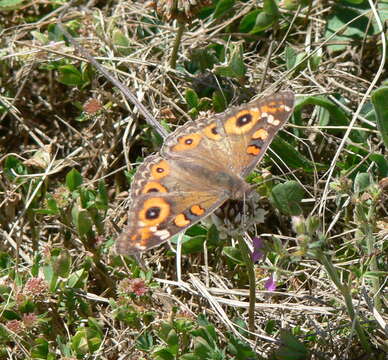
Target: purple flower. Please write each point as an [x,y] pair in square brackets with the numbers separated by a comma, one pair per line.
[270,284]
[258,249]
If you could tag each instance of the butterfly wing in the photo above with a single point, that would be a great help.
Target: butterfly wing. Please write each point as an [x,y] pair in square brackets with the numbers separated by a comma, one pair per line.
[235,141]
[166,199]
[251,129]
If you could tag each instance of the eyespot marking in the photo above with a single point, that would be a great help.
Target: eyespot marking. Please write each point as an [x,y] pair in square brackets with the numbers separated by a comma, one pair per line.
[153,212]
[153,186]
[242,122]
[211,132]
[160,170]
[187,142]
[181,220]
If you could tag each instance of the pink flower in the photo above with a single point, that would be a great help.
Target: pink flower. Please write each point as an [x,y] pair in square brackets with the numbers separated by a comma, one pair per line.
[36,287]
[29,320]
[258,249]
[270,284]
[139,287]
[15,326]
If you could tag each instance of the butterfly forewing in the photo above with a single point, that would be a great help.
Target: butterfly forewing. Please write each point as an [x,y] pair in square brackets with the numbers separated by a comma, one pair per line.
[251,129]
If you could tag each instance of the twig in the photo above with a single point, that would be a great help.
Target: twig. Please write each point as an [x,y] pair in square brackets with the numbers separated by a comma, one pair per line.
[132,98]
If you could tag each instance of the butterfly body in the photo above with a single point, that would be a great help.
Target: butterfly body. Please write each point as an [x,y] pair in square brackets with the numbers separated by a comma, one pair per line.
[200,165]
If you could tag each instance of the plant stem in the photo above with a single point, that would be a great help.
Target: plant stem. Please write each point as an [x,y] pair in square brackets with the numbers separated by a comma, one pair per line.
[177,42]
[252,283]
[370,243]
[345,291]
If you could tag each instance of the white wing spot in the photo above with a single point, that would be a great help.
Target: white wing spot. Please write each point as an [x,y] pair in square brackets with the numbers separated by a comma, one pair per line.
[271,120]
[163,234]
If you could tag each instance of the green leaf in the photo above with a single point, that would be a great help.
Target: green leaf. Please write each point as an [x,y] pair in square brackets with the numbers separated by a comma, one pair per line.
[192,245]
[193,113]
[267,17]
[202,59]
[290,54]
[379,100]
[50,277]
[361,182]
[355,1]
[235,67]
[192,99]
[86,341]
[5,335]
[82,221]
[240,349]
[10,4]
[291,348]
[292,157]
[121,42]
[219,101]
[233,254]
[55,33]
[201,348]
[13,166]
[248,22]
[164,330]
[42,38]
[294,60]
[73,180]
[271,8]
[40,350]
[77,279]
[145,341]
[173,342]
[163,354]
[287,197]
[188,356]
[314,62]
[52,205]
[205,104]
[96,326]
[62,264]
[213,236]
[237,62]
[382,164]
[70,75]
[343,13]
[223,6]
[102,199]
[337,116]
[260,19]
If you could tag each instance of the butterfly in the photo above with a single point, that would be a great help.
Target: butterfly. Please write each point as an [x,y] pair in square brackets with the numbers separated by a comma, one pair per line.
[201,164]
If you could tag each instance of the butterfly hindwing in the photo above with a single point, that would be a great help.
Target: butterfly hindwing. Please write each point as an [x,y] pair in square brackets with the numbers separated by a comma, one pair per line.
[164,203]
